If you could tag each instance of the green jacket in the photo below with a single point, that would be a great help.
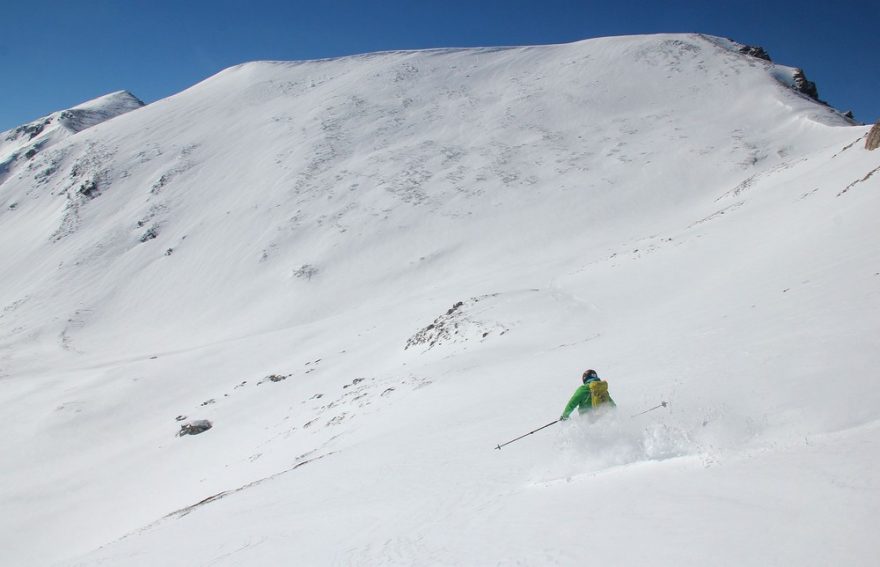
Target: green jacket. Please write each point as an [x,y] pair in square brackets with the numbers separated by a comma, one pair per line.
[582,400]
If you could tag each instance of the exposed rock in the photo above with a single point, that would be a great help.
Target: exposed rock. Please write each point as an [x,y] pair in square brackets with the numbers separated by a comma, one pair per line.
[454,307]
[194,427]
[306,272]
[862,180]
[755,51]
[30,131]
[89,190]
[152,233]
[273,378]
[873,141]
[804,86]
[455,325]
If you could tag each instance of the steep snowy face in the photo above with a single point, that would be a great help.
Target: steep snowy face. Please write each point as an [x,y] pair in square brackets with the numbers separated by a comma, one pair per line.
[385,166]
[21,144]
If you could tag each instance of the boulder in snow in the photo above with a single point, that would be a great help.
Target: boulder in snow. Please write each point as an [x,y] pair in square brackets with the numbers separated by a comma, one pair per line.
[194,427]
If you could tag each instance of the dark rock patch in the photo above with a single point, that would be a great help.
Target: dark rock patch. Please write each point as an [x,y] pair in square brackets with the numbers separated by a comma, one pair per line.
[194,427]
[31,130]
[89,190]
[150,234]
[274,378]
[805,86]
[455,307]
[306,272]
[755,51]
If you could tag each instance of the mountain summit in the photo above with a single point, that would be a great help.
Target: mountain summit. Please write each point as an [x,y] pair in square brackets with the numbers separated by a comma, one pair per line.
[23,143]
[285,315]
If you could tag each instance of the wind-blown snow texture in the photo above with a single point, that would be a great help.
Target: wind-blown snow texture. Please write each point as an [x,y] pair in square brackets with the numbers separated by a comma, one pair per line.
[424,250]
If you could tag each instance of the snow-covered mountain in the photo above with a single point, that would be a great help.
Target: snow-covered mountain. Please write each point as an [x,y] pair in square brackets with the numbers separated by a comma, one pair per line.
[367,272]
[21,144]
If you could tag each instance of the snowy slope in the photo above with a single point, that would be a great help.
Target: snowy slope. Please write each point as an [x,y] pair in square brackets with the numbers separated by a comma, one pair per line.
[661,208]
[21,144]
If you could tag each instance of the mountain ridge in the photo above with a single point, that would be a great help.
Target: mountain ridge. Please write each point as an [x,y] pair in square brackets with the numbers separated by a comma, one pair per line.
[26,141]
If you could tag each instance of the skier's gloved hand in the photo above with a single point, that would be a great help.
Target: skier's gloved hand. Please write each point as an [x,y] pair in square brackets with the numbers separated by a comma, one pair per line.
[563,418]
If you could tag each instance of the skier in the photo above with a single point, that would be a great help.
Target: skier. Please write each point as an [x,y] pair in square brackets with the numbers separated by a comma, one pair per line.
[590,395]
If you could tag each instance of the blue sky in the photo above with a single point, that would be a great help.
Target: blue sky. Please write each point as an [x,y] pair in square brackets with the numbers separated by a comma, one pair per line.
[56,53]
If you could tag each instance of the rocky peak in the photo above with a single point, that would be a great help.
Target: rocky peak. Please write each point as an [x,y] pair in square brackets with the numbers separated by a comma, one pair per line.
[24,142]
[801,83]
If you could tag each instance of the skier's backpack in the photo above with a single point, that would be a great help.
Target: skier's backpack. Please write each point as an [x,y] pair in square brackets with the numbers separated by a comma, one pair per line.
[599,392]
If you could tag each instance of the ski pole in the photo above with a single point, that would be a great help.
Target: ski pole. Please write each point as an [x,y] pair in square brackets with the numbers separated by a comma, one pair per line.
[662,405]
[527,434]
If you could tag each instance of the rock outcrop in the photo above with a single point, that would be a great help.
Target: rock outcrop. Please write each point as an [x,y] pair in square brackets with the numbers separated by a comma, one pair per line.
[805,86]
[801,83]
[873,141]
[755,51]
